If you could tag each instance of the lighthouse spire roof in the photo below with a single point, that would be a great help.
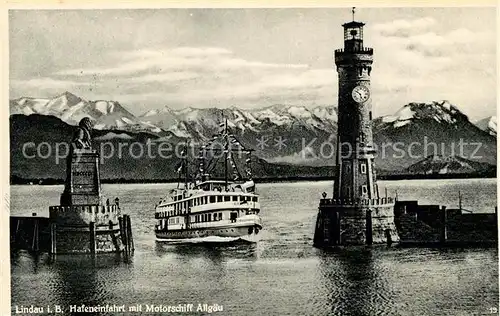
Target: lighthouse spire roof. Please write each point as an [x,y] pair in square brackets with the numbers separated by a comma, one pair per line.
[353,23]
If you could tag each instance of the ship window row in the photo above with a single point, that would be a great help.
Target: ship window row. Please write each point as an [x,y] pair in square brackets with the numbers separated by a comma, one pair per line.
[173,221]
[181,208]
[207,217]
[213,199]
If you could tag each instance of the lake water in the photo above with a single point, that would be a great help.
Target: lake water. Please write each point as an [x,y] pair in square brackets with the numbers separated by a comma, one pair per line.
[280,275]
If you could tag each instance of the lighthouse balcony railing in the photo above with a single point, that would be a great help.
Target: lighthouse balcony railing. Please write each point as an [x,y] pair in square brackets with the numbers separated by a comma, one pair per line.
[361,50]
[355,202]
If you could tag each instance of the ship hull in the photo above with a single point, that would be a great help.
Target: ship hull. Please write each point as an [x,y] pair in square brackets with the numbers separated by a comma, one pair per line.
[249,233]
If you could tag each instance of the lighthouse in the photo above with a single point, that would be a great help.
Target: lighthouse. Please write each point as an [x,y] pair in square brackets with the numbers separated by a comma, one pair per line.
[355,214]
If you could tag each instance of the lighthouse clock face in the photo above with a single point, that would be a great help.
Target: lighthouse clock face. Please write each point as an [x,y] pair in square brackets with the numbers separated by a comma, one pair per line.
[360,94]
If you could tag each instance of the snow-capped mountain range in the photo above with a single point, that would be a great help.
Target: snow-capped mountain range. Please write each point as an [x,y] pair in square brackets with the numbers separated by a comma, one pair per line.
[71,109]
[186,123]
[436,164]
[439,111]
[488,124]
[195,123]
[303,131]
[200,124]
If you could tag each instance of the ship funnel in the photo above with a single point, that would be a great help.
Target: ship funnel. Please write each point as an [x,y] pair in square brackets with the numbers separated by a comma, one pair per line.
[248,187]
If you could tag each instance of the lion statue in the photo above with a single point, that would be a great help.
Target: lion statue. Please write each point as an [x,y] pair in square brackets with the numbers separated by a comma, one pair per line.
[82,138]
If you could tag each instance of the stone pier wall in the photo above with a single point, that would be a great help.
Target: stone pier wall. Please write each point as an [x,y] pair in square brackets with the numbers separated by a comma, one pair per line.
[79,240]
[383,220]
[74,228]
[355,224]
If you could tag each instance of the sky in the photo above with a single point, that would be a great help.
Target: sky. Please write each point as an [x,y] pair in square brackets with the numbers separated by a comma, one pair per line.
[250,58]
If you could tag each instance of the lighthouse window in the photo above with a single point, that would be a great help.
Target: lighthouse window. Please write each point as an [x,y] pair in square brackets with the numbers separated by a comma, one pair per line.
[235,198]
[227,198]
[219,198]
[215,216]
[212,199]
[220,216]
[364,189]
[363,167]
[254,199]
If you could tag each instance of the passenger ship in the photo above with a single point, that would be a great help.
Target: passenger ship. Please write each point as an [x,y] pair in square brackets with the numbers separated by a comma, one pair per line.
[211,210]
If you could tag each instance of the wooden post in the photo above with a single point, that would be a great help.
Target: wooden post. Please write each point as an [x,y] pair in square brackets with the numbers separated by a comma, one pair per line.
[113,237]
[18,224]
[125,234]
[120,226]
[388,236]
[459,201]
[92,237]
[369,232]
[443,216]
[335,226]
[129,233]
[53,239]
[34,244]
[339,227]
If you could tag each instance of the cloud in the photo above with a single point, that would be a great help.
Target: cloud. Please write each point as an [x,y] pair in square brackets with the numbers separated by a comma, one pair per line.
[46,83]
[417,60]
[149,61]
[201,75]
[404,28]
[177,76]
[414,61]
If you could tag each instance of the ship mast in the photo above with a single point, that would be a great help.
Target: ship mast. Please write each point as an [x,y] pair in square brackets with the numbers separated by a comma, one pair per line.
[226,142]
[186,164]
[183,167]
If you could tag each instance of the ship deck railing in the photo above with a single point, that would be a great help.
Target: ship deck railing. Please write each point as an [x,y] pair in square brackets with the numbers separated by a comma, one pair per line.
[245,220]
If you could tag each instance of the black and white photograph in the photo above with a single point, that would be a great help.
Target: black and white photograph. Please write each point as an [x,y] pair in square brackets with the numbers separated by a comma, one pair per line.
[252,160]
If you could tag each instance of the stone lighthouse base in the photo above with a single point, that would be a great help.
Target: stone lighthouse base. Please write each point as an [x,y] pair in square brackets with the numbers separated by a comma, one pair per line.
[362,222]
